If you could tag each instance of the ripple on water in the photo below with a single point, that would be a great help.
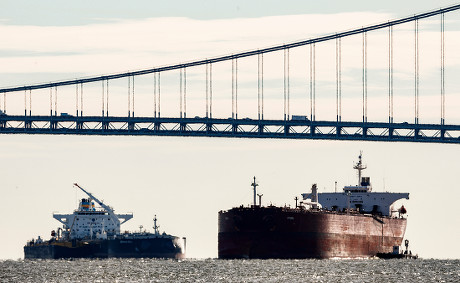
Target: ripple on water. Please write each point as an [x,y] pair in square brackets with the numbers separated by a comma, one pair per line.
[213,270]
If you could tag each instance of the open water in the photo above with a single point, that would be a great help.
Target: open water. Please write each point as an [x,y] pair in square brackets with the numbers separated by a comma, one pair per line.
[213,270]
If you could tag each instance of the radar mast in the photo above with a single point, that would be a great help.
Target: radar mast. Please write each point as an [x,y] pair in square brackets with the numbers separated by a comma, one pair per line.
[359,166]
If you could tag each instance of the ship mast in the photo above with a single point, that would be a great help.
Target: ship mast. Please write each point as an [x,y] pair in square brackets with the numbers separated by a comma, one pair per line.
[359,166]
[155,226]
[254,185]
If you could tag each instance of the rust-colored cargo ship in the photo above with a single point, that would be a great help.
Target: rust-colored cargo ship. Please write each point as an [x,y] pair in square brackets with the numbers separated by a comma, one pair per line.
[355,223]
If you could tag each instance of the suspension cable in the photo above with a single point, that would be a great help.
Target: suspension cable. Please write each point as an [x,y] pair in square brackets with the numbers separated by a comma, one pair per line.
[103,101]
[180,93]
[55,100]
[258,86]
[233,88]
[76,99]
[337,78]
[416,71]
[159,95]
[390,74]
[129,96]
[30,102]
[443,89]
[25,102]
[185,93]
[210,90]
[340,79]
[81,98]
[364,77]
[107,101]
[155,95]
[207,90]
[51,101]
[262,84]
[236,88]
[133,96]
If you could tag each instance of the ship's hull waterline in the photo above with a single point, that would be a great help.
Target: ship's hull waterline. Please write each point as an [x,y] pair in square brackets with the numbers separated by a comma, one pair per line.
[113,248]
[274,232]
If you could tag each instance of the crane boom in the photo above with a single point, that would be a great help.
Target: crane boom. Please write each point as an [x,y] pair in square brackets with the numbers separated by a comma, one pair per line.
[106,207]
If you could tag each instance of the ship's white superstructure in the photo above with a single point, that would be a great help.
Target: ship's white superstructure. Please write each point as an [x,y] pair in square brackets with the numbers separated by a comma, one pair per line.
[87,222]
[360,197]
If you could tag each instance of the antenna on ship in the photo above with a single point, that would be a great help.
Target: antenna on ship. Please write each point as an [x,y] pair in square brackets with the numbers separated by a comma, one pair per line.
[359,166]
[254,185]
[155,226]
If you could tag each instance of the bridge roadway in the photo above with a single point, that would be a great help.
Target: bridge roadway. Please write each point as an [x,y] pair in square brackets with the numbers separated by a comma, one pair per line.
[235,128]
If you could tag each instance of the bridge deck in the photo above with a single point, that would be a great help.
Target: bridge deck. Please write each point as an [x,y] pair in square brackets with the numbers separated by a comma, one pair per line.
[239,128]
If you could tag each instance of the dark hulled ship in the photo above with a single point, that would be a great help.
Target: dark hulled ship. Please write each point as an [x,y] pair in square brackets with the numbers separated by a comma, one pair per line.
[91,232]
[354,223]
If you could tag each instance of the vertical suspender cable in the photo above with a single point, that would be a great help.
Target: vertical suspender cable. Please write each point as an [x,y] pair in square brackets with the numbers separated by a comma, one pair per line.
[185,93]
[133,96]
[284,84]
[416,72]
[262,84]
[25,102]
[340,79]
[443,90]
[258,86]
[81,98]
[210,90]
[159,95]
[155,95]
[233,88]
[390,74]
[365,82]
[288,87]
[314,81]
[180,93]
[337,78]
[129,96]
[103,102]
[364,77]
[236,88]
[207,89]
[51,101]
[107,101]
[55,100]
[311,82]
[76,99]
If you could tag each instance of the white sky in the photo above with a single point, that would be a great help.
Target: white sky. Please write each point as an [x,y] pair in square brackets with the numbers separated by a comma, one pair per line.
[186,181]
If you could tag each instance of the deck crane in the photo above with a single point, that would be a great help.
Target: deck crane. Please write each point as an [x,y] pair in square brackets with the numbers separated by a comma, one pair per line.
[115,218]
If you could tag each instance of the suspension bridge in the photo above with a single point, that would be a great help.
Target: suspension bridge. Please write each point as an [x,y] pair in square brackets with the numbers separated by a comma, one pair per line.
[210,123]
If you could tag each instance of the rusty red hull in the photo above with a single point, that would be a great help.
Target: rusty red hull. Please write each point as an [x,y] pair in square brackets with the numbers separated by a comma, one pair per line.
[274,232]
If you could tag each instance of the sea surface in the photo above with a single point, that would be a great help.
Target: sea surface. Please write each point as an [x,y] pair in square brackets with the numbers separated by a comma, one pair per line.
[213,270]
